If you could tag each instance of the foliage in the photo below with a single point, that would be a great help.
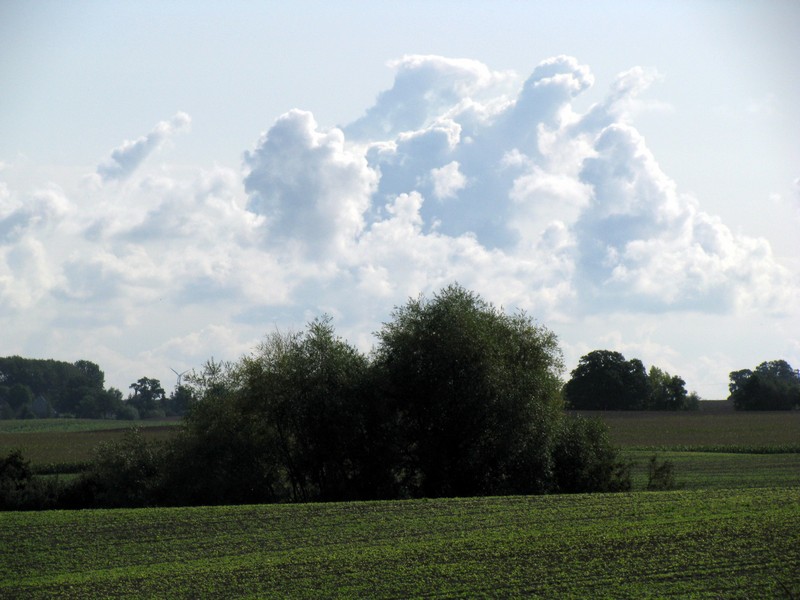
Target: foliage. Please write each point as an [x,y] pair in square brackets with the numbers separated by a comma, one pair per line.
[605,380]
[660,476]
[691,544]
[127,472]
[476,395]
[586,460]
[19,489]
[774,385]
[148,396]
[37,388]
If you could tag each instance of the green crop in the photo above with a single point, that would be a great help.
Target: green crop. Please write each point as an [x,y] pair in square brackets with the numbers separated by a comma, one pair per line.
[689,543]
[704,431]
[65,445]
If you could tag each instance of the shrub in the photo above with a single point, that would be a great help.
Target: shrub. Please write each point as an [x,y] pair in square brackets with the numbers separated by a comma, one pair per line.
[585,460]
[661,477]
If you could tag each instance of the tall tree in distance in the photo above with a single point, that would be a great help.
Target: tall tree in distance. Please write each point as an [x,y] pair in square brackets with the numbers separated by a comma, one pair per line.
[605,380]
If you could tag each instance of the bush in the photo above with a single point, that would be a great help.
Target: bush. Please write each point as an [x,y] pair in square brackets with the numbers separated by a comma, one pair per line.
[586,461]
[20,489]
[127,473]
[660,477]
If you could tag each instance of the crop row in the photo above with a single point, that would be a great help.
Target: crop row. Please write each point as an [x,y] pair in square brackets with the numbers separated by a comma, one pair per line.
[698,429]
[704,543]
[696,470]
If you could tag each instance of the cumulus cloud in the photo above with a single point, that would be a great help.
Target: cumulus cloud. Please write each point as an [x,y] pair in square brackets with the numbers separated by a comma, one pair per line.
[447,180]
[312,189]
[643,245]
[426,87]
[457,173]
[126,158]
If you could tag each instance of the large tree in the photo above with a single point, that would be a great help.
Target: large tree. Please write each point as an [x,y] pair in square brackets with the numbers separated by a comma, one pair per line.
[476,393]
[605,380]
[773,385]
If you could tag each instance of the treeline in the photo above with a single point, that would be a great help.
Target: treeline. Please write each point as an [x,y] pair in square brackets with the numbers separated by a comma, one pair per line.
[605,380]
[43,388]
[457,399]
[34,388]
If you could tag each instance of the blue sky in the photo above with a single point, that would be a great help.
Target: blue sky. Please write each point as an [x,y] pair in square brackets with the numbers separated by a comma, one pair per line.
[178,179]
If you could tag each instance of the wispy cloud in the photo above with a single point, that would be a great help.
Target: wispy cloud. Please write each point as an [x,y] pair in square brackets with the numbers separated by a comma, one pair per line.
[126,158]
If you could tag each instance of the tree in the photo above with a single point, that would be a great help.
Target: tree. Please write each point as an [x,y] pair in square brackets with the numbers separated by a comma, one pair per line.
[604,380]
[148,396]
[476,394]
[774,385]
[667,392]
[308,392]
[295,420]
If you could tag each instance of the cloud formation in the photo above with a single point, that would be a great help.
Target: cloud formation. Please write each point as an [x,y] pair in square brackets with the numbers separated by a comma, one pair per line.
[453,174]
[126,158]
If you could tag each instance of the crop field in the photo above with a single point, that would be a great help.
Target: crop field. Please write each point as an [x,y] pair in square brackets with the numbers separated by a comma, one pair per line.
[745,432]
[702,544]
[704,470]
[65,445]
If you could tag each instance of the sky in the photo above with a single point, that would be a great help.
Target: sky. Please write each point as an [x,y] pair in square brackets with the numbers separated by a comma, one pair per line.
[180,179]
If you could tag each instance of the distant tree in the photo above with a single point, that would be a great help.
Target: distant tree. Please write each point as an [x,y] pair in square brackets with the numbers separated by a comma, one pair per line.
[20,398]
[667,392]
[148,396]
[476,393]
[179,401]
[773,385]
[64,386]
[308,387]
[605,380]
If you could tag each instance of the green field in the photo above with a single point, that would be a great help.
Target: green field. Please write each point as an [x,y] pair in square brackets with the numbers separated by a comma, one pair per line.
[65,445]
[703,544]
[699,430]
[730,532]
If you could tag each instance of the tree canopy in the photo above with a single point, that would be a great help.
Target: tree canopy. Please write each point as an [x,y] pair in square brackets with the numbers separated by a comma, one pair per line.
[41,388]
[476,393]
[605,380]
[773,385]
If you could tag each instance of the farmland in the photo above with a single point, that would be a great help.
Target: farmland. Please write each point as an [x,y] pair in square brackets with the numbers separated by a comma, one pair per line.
[715,431]
[710,449]
[729,532]
[720,543]
[65,445]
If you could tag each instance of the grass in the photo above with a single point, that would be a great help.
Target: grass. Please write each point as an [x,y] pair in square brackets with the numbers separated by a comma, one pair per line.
[701,544]
[65,445]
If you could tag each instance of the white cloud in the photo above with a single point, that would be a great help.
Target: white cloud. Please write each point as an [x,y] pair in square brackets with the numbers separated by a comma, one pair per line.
[126,158]
[312,189]
[453,175]
[425,89]
[448,180]
[645,246]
